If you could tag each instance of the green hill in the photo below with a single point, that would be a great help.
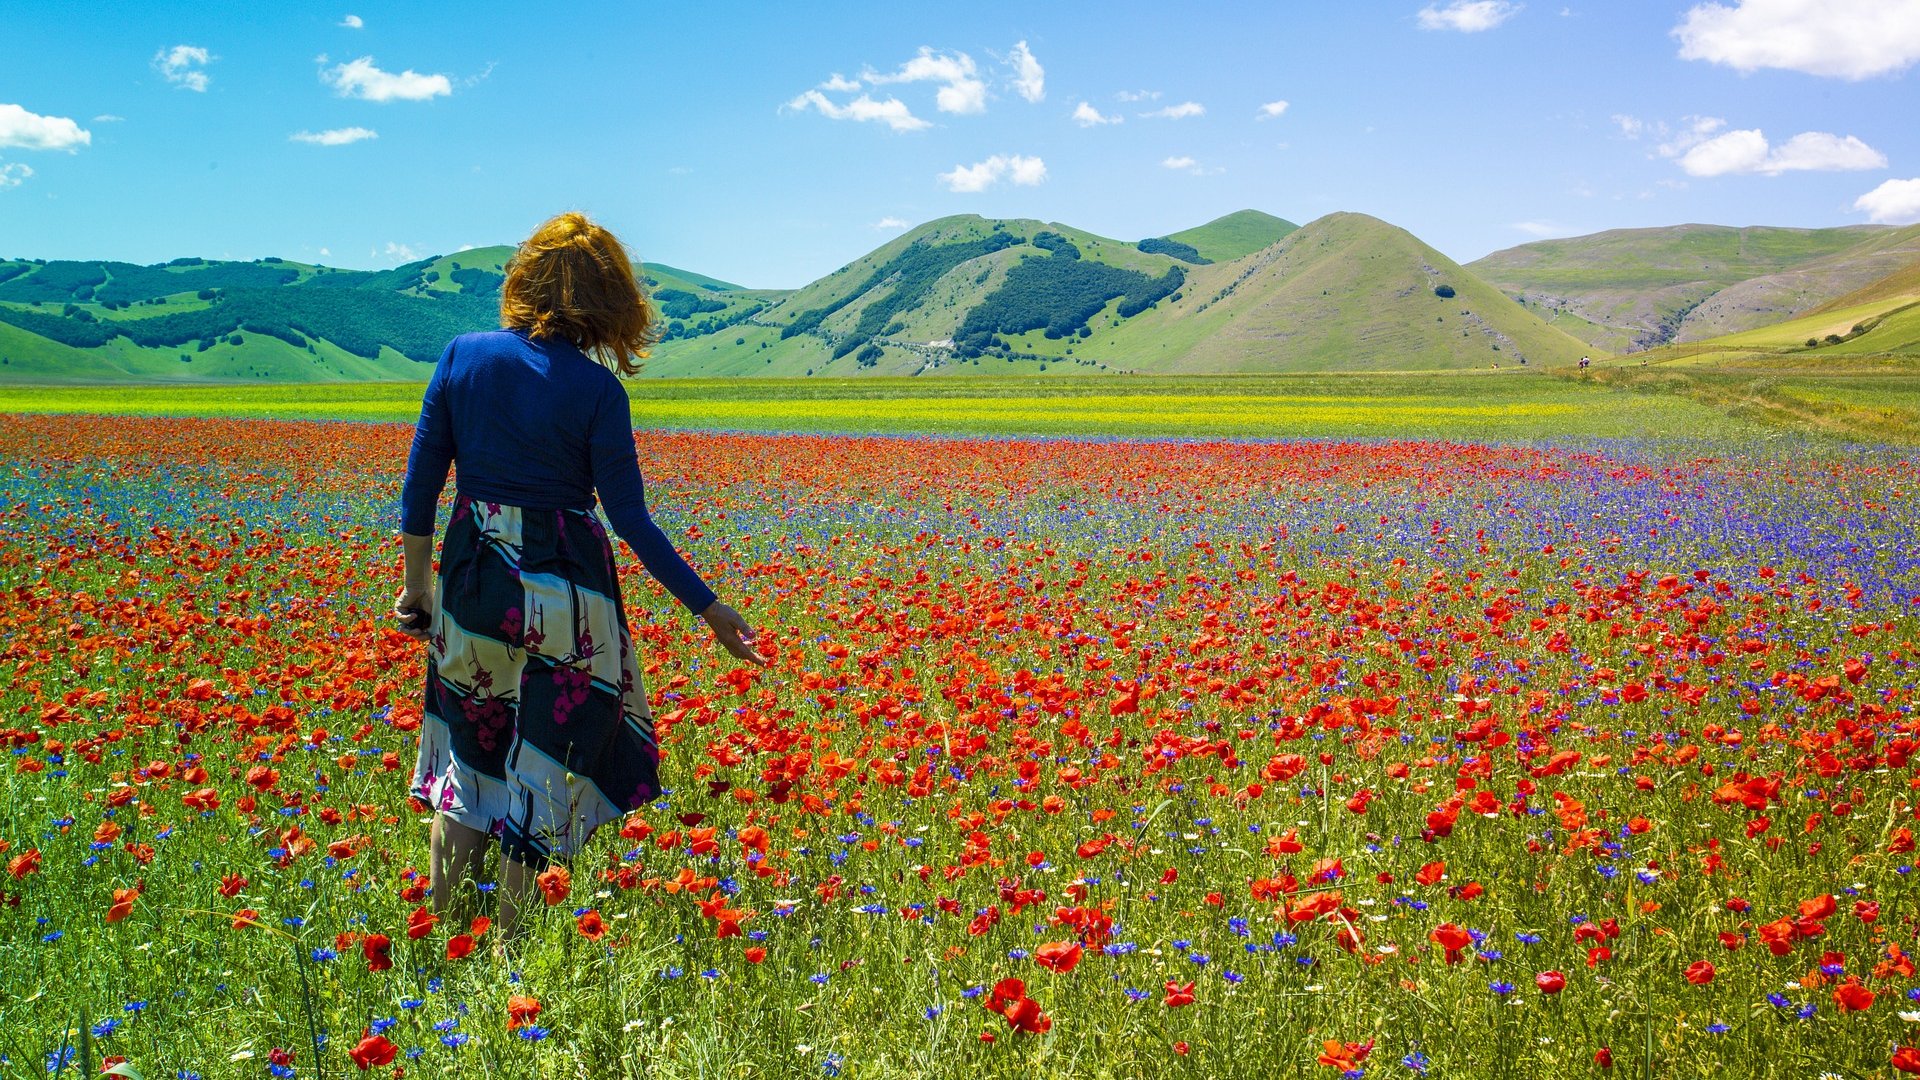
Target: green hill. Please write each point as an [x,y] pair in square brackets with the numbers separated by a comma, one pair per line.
[1632,289]
[967,294]
[1234,236]
[959,295]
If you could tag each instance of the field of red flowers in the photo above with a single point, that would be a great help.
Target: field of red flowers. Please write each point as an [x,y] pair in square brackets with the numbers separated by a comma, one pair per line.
[1076,758]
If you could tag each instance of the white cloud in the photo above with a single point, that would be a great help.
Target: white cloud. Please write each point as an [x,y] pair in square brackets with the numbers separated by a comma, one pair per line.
[108,118]
[1630,126]
[982,175]
[324,251]
[1539,228]
[335,136]
[403,252]
[892,223]
[1137,95]
[1747,151]
[1178,112]
[1896,202]
[31,131]
[353,22]
[1467,16]
[839,84]
[1270,110]
[892,112]
[361,79]
[1845,39]
[1029,78]
[463,247]
[961,91]
[1185,163]
[1087,116]
[12,176]
[184,66]
[1693,130]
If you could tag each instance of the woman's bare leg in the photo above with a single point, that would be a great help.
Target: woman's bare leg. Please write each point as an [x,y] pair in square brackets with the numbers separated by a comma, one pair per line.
[516,885]
[456,856]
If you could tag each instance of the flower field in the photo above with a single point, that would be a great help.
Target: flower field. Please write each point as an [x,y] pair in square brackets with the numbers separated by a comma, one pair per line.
[1076,758]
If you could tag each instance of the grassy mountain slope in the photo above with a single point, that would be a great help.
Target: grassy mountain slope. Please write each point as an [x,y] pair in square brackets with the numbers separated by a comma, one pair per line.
[1347,292]
[1344,292]
[1236,235]
[1635,288]
[1901,283]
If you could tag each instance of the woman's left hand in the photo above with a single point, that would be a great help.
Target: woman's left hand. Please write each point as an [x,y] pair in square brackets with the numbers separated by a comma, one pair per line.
[413,598]
[733,633]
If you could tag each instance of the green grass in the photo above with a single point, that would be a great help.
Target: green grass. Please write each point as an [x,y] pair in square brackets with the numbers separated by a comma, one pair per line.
[1509,406]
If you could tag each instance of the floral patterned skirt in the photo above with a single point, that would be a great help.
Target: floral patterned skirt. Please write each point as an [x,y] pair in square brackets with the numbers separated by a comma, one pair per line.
[536,726]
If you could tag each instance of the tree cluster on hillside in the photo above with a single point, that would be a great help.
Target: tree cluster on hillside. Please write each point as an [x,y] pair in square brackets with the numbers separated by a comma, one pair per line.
[1059,295]
[680,304]
[912,273]
[61,281]
[415,326]
[1160,245]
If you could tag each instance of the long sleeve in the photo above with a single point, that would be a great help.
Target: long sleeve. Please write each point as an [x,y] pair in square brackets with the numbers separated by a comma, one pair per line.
[430,457]
[616,477]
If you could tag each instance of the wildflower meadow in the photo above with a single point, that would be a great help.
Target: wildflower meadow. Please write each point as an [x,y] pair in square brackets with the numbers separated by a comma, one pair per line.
[1076,758]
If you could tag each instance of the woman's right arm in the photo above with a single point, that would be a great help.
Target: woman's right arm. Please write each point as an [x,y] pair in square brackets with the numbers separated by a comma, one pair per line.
[427,463]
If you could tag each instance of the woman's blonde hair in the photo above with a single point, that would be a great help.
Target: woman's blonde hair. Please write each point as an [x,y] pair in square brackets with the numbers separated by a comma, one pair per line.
[572,279]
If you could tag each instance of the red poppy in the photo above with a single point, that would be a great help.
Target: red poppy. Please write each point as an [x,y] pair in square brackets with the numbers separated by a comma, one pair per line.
[592,926]
[231,884]
[421,923]
[245,917]
[24,863]
[554,883]
[1852,997]
[755,954]
[1059,957]
[1178,995]
[1700,972]
[459,945]
[1906,1059]
[378,949]
[1550,982]
[521,1011]
[373,1050]
[1451,938]
[122,905]
[1603,1057]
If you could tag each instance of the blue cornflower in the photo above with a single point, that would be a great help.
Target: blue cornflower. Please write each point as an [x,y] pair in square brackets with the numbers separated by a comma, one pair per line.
[1137,995]
[818,980]
[1233,977]
[455,1041]
[1719,1029]
[1501,988]
[105,1028]
[321,956]
[931,1011]
[533,1034]
[1779,1001]
[1416,1061]
[831,1066]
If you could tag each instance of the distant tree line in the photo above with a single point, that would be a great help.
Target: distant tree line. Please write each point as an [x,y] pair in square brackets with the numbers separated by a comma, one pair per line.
[912,273]
[1059,295]
[1160,245]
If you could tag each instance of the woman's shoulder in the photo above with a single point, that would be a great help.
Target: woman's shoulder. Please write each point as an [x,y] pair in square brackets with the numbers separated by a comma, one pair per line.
[489,341]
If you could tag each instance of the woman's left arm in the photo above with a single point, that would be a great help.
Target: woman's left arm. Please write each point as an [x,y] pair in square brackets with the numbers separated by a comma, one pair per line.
[616,478]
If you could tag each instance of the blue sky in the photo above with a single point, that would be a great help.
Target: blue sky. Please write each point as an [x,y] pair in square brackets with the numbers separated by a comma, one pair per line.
[729,138]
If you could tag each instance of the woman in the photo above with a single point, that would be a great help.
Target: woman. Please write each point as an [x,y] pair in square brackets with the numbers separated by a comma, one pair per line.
[536,727]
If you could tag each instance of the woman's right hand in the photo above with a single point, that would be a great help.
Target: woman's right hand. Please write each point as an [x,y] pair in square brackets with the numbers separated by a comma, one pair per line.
[733,633]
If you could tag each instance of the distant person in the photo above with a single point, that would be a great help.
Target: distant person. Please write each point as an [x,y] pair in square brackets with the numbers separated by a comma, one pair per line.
[536,726]
[1583,363]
